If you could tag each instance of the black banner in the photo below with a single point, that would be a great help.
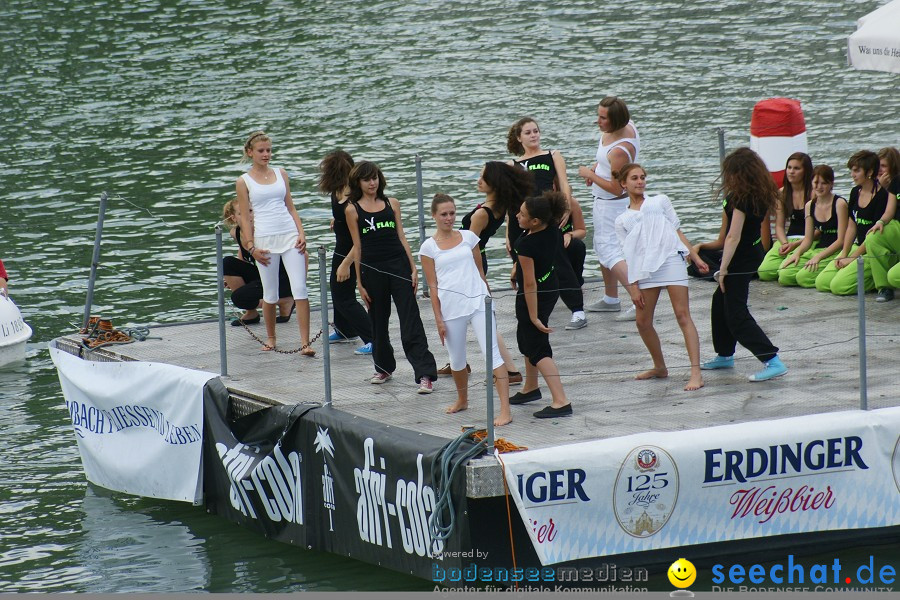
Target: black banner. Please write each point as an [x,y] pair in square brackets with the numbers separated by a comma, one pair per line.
[253,469]
[328,480]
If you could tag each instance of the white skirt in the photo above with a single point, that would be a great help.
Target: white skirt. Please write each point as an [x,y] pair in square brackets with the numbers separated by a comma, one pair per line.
[672,272]
[278,243]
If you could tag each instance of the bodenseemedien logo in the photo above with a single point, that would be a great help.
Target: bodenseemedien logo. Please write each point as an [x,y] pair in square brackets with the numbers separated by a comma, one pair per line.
[682,574]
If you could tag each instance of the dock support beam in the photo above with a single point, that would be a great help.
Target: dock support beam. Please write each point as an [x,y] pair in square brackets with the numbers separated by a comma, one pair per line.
[95,261]
[220,278]
[861,296]
[323,309]
[489,368]
[421,200]
[721,132]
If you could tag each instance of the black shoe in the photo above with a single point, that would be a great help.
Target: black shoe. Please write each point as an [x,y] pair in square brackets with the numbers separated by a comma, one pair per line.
[520,398]
[548,412]
[287,317]
[238,322]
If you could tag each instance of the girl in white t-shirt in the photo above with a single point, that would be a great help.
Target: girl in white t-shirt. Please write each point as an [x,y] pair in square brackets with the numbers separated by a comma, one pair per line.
[451,261]
[649,233]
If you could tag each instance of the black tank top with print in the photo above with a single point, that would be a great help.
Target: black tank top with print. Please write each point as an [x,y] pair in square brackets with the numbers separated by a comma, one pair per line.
[489,230]
[542,169]
[797,222]
[828,230]
[378,239]
[343,241]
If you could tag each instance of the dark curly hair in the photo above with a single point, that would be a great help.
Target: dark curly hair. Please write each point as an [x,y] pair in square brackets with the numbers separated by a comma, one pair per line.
[334,171]
[512,138]
[747,183]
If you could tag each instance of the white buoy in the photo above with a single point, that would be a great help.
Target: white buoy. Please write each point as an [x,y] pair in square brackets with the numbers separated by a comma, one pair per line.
[14,332]
[777,130]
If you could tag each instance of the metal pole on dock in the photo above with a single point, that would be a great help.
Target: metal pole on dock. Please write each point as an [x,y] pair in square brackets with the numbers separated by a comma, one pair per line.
[489,368]
[95,260]
[861,295]
[323,309]
[721,133]
[421,200]
[220,278]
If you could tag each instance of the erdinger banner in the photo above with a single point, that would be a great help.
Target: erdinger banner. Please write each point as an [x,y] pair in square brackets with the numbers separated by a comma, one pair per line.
[254,469]
[372,487]
[660,490]
[138,425]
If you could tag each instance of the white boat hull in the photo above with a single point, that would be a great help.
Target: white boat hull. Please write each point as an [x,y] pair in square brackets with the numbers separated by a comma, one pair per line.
[14,332]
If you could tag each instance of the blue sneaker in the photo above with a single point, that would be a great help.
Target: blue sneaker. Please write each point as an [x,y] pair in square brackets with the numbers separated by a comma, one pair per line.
[365,349]
[337,338]
[774,368]
[719,362]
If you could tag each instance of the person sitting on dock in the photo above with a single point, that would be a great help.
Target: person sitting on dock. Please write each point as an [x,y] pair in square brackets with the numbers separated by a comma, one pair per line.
[826,214]
[451,262]
[883,239]
[790,211]
[274,234]
[242,277]
[350,318]
[655,251]
[868,203]
[386,271]
[537,293]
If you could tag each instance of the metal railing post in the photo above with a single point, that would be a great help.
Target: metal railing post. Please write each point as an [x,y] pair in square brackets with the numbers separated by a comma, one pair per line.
[721,132]
[861,296]
[323,309]
[489,368]
[220,278]
[421,200]
[95,261]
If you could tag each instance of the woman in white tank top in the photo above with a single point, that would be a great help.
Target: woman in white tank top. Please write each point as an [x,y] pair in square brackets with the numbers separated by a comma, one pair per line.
[273,234]
[620,144]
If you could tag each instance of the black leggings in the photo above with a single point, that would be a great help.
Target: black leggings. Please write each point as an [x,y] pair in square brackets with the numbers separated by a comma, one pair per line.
[732,322]
[350,318]
[249,295]
[382,288]
[569,282]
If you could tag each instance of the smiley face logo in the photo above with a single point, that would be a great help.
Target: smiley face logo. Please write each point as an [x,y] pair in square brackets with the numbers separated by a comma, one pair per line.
[682,573]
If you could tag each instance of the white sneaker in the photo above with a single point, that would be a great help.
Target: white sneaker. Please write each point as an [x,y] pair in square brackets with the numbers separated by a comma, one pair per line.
[627,315]
[577,323]
[603,306]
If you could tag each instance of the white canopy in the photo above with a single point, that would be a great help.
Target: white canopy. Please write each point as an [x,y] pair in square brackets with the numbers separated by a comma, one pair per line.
[875,46]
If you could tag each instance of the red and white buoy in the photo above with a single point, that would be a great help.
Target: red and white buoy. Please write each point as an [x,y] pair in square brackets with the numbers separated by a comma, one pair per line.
[777,130]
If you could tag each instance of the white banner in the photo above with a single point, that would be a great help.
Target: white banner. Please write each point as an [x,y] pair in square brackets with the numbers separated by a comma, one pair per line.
[139,425]
[661,490]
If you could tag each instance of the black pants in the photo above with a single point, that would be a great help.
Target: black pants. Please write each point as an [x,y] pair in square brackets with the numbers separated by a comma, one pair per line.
[577,253]
[569,286]
[533,343]
[350,318]
[248,296]
[732,322]
[382,288]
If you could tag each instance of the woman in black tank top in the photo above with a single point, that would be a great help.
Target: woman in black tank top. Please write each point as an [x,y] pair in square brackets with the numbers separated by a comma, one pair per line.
[350,318]
[548,167]
[386,272]
[789,213]
[826,217]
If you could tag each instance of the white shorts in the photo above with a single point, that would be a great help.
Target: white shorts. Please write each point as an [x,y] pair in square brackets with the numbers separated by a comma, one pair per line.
[606,244]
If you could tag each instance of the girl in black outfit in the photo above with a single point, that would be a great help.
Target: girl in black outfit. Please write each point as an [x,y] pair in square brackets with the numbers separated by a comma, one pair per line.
[350,318]
[538,290]
[242,277]
[386,271]
[548,168]
[749,193]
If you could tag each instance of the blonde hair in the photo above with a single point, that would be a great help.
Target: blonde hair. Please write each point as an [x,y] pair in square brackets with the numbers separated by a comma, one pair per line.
[228,213]
[256,136]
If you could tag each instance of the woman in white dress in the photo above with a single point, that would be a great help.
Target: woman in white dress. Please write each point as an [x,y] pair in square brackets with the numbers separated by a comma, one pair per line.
[655,251]
[451,261]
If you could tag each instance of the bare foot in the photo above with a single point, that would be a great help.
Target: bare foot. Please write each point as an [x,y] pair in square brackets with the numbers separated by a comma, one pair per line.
[269,345]
[458,407]
[694,383]
[504,418]
[308,352]
[653,374]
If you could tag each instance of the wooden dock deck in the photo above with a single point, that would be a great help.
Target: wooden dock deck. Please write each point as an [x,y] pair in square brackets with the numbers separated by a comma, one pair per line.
[817,334]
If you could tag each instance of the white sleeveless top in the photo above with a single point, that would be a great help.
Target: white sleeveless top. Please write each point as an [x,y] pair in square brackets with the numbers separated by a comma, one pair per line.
[270,214]
[603,169]
[460,287]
